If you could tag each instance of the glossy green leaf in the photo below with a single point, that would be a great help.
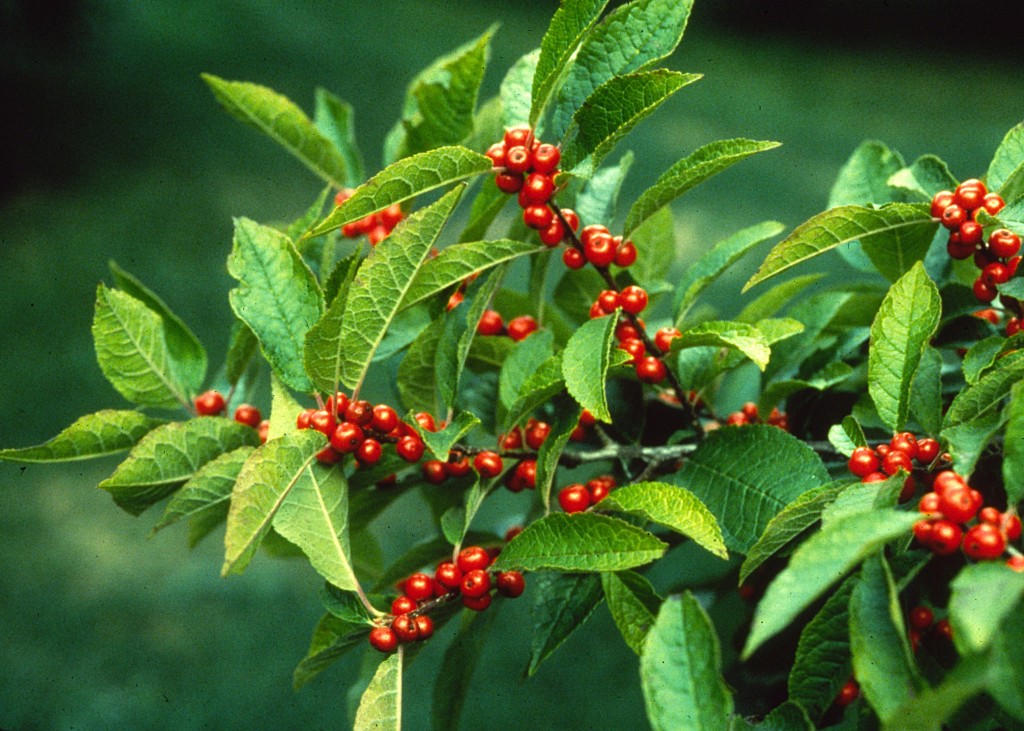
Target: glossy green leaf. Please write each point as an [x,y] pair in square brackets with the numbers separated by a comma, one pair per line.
[441,442]
[819,562]
[633,604]
[1013,448]
[322,350]
[278,118]
[568,26]
[106,432]
[186,354]
[579,542]
[132,351]
[847,436]
[671,506]
[489,202]
[417,384]
[277,297]
[612,111]
[926,176]
[263,484]
[983,595]
[680,670]
[585,364]
[902,328]
[840,226]
[1006,171]
[284,410]
[738,336]
[630,38]
[789,716]
[597,199]
[405,179]
[380,285]
[926,393]
[171,454]
[861,497]
[1005,670]
[789,523]
[335,119]
[882,659]
[988,392]
[776,299]
[332,638]
[380,708]
[561,604]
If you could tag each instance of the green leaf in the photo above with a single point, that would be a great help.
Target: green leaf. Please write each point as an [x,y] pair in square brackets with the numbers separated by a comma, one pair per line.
[716,261]
[524,360]
[561,604]
[819,562]
[988,392]
[1005,681]
[926,393]
[417,384]
[570,23]
[739,336]
[278,118]
[322,351]
[693,170]
[840,226]
[132,351]
[106,432]
[186,354]
[488,203]
[980,356]
[314,516]
[241,348]
[441,442]
[379,286]
[928,709]
[925,177]
[1014,288]
[832,374]
[205,497]
[904,324]
[515,91]
[673,507]
[680,670]
[894,254]
[882,660]
[585,363]
[335,119]
[982,597]
[847,436]
[745,476]
[633,604]
[1013,448]
[380,708]
[777,298]
[822,663]
[789,523]
[171,454]
[277,297]
[864,178]
[579,542]
[655,242]
[612,111]
[332,638]
[405,179]
[457,668]
[1006,171]
[966,441]
[788,716]
[544,384]
[630,38]
[567,418]
[263,484]
[599,195]
[860,497]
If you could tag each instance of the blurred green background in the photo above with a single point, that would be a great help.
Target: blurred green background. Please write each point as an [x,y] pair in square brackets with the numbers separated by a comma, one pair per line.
[112,148]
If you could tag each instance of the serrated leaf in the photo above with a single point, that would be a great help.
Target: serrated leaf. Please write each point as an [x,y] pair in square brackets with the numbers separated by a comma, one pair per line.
[717,261]
[416,382]
[205,497]
[842,225]
[861,497]
[680,670]
[980,356]
[488,203]
[612,111]
[926,392]
[569,24]
[262,486]
[585,364]
[966,441]
[822,664]
[630,38]
[242,346]
[186,354]
[633,604]
[746,475]
[1013,448]
[777,298]
[321,350]
[597,199]
[171,454]
[693,170]
[847,436]
[379,286]
[878,640]
[441,442]
[380,708]
[132,351]
[335,119]
[106,432]
[673,507]
[277,297]
[739,336]
[405,179]
[278,118]
[819,562]
[895,253]
[332,638]
[988,392]
[902,328]
[1006,171]
[561,604]
[789,523]
[926,176]
[579,542]
[983,594]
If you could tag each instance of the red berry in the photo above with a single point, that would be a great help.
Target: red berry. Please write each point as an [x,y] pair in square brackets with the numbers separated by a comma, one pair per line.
[525,474]
[384,419]
[510,583]
[921,618]
[369,452]
[930,503]
[664,336]
[424,626]
[517,159]
[488,464]
[457,465]
[302,420]
[599,249]
[477,604]
[996,273]
[405,628]
[329,455]
[248,415]
[970,194]
[957,249]
[475,583]
[346,437]
[571,218]
[263,430]
[448,575]
[958,504]
[519,327]
[940,202]
[944,629]
[472,558]
[509,182]
[1004,243]
[1013,326]
[927,450]
[650,369]
[594,229]
[512,440]
[993,203]
[863,461]
[377,234]
[599,490]
[573,258]
[519,135]
[536,434]
[944,538]
[596,311]
[410,448]
[425,421]
[497,154]
[633,299]
[553,234]
[848,693]
[490,323]
[984,291]
[434,471]
[574,498]
[1016,563]
[971,233]
[538,216]
[337,404]
[608,300]
[383,639]
[323,421]
[635,347]
[546,158]
[626,331]
[209,403]
[625,256]
[537,188]
[403,605]
[419,587]
[984,542]
[953,216]
[1011,526]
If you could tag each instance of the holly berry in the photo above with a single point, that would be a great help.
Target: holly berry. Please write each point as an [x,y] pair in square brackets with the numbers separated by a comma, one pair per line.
[209,403]
[927,450]
[574,498]
[538,216]
[984,542]
[477,604]
[970,194]
[519,327]
[921,617]
[410,448]
[434,471]
[895,461]
[537,188]
[959,504]
[248,415]
[346,437]
[953,217]
[475,583]
[323,421]
[664,336]
[403,605]
[405,628]
[510,583]
[633,299]
[848,693]
[517,159]
[942,200]
[553,234]
[650,369]
[863,461]
[369,452]
[457,465]
[490,323]
[419,587]
[472,558]
[1004,243]
[302,420]
[448,575]
[608,300]
[546,158]
[573,258]
[488,464]
[509,182]
[944,537]
[993,203]
[263,430]
[625,255]
[424,626]
[536,434]
[383,639]
[600,250]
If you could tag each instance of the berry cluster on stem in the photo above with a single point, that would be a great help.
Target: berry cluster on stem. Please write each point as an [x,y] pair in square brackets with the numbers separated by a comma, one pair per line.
[377,226]
[878,464]
[750,414]
[213,403]
[578,497]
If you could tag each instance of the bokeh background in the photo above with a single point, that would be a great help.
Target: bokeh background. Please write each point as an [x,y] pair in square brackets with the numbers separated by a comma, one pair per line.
[112,148]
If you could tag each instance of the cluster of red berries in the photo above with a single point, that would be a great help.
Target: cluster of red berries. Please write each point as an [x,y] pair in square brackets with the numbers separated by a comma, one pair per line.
[848,693]
[922,622]
[600,248]
[750,414]
[377,226]
[517,328]
[528,167]
[649,366]
[578,497]
[212,403]
[885,460]
[950,505]
[467,577]
[997,258]
[1013,324]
